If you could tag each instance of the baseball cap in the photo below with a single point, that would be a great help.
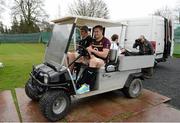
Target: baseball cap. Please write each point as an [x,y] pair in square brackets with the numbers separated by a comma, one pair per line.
[85,28]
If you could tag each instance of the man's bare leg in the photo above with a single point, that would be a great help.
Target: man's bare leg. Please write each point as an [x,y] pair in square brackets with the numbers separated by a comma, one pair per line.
[71,56]
[96,62]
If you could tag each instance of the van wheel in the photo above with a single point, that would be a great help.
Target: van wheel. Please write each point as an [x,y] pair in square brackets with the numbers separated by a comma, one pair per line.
[134,89]
[54,105]
[31,91]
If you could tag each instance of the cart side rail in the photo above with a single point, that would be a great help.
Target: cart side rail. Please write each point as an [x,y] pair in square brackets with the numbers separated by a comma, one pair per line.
[136,62]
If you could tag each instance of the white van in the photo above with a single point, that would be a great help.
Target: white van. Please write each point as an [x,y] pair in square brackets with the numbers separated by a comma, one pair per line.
[156,29]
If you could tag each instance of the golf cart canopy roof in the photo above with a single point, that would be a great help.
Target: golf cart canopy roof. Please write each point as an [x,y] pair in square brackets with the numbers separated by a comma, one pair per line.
[89,21]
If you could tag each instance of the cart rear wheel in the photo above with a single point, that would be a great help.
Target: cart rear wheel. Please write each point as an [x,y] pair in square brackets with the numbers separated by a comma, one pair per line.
[31,92]
[55,105]
[134,89]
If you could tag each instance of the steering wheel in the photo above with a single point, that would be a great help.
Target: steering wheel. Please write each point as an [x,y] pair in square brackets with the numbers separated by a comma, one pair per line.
[83,51]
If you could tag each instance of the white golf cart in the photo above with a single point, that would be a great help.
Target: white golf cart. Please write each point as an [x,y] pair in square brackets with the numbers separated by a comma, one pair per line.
[53,84]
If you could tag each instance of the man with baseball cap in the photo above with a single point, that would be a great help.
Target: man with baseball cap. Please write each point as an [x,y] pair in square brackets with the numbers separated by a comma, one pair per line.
[85,42]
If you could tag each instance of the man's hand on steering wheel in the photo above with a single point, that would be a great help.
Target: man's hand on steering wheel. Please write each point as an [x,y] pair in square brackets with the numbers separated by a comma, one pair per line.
[83,51]
[90,50]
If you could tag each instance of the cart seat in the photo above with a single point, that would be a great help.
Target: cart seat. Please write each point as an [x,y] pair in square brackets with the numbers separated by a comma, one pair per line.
[113,61]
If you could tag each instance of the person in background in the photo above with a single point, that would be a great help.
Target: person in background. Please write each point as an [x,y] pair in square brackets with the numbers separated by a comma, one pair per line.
[145,48]
[115,44]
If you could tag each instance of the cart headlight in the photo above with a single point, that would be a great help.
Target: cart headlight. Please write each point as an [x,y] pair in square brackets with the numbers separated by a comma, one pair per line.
[46,78]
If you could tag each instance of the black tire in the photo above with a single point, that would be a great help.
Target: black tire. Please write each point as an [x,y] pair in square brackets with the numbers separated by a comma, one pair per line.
[49,105]
[134,89]
[31,92]
[155,64]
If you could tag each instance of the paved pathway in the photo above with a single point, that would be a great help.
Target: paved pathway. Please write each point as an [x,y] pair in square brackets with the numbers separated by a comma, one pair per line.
[166,81]
[97,108]
[7,108]
[112,106]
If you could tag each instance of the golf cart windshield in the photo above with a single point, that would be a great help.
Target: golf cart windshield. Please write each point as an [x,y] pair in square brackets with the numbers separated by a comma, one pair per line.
[57,45]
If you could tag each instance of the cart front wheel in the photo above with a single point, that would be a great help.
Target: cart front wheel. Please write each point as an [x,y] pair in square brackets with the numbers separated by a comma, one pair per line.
[134,89]
[31,91]
[55,105]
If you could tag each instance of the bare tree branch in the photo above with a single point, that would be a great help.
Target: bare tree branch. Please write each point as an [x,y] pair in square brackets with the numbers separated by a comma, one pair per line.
[91,8]
[30,14]
[177,12]
[164,12]
[2,7]
[31,10]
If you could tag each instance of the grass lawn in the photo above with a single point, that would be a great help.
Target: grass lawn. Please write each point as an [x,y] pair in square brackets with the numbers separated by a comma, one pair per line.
[18,60]
[177,50]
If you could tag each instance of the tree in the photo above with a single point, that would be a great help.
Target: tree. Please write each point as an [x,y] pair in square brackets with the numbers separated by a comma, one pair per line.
[177,16]
[46,26]
[6,30]
[30,12]
[2,6]
[164,12]
[177,12]
[22,27]
[15,26]
[91,8]
[1,27]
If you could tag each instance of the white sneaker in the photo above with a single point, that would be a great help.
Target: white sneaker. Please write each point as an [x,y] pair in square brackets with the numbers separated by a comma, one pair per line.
[83,89]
